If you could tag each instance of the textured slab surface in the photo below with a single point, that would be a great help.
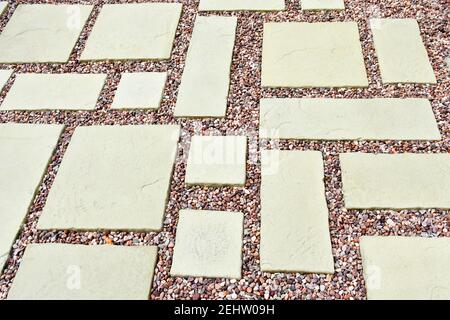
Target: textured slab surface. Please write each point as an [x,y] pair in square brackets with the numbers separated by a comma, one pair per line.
[238,5]
[217,160]
[25,152]
[400,51]
[42,32]
[67,91]
[412,268]
[323,4]
[137,31]
[323,54]
[206,77]
[294,215]
[396,181]
[208,244]
[4,77]
[74,272]
[113,177]
[140,90]
[347,119]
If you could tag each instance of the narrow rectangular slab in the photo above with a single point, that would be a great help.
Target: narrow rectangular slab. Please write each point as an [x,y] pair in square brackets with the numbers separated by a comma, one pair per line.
[241,5]
[406,268]
[401,53]
[204,85]
[396,181]
[323,4]
[45,91]
[294,214]
[348,119]
[81,272]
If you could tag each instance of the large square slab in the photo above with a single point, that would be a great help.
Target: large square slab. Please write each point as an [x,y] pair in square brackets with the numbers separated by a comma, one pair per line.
[217,160]
[406,268]
[241,5]
[323,4]
[42,32]
[79,272]
[133,31]
[322,54]
[208,244]
[113,177]
[25,152]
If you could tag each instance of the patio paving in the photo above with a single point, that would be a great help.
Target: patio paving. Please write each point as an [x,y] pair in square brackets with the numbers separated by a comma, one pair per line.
[4,77]
[323,4]
[241,5]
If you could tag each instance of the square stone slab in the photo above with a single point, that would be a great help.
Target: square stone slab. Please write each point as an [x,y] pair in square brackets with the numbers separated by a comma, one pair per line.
[322,54]
[205,81]
[26,150]
[4,77]
[45,91]
[396,181]
[133,31]
[348,119]
[406,268]
[241,5]
[3,6]
[42,32]
[323,4]
[400,51]
[113,178]
[140,90]
[294,215]
[79,272]
[208,244]
[217,160]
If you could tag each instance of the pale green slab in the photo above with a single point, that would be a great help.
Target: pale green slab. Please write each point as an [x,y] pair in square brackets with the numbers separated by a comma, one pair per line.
[323,4]
[4,77]
[241,5]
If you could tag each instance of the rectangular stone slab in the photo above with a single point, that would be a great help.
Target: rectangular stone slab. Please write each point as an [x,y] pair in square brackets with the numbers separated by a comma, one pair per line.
[294,214]
[323,4]
[205,81]
[400,51]
[45,91]
[25,152]
[395,181]
[4,77]
[406,268]
[241,5]
[113,178]
[80,272]
[348,119]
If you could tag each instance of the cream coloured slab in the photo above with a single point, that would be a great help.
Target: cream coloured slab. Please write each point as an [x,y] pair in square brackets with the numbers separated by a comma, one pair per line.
[348,119]
[323,4]
[400,51]
[406,268]
[133,31]
[45,91]
[42,32]
[114,178]
[241,5]
[25,152]
[3,6]
[294,214]
[205,81]
[140,90]
[208,244]
[4,77]
[80,272]
[395,181]
[322,54]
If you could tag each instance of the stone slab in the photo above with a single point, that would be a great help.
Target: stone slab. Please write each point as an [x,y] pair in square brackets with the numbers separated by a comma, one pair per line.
[45,91]
[4,77]
[80,272]
[322,54]
[395,181]
[406,268]
[26,150]
[400,51]
[205,81]
[348,119]
[133,31]
[208,244]
[241,5]
[113,178]
[294,215]
[42,33]
[323,4]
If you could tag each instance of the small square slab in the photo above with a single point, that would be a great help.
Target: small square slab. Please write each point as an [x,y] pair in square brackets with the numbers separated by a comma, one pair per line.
[79,272]
[217,160]
[4,77]
[208,244]
[323,4]
[137,31]
[42,32]
[140,90]
[114,178]
[241,5]
[323,54]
